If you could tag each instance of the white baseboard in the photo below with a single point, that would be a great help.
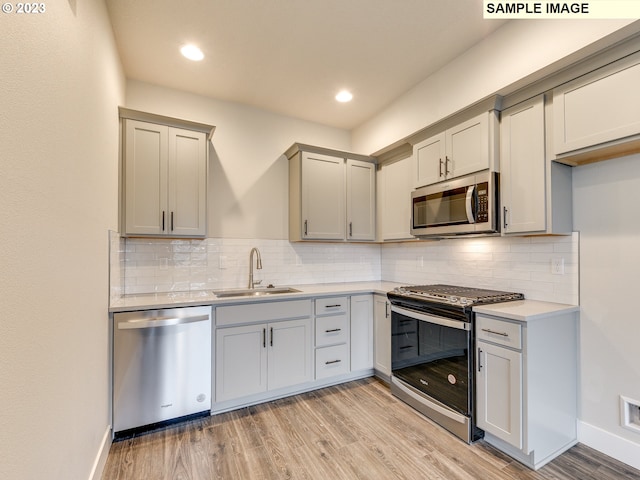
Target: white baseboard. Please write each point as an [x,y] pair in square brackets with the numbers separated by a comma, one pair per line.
[616,447]
[101,457]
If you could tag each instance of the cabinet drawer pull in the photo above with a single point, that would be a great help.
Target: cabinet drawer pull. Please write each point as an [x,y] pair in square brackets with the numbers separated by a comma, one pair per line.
[163,220]
[264,338]
[406,347]
[329,362]
[305,228]
[488,330]
[172,221]
[479,359]
[351,229]
[333,306]
[271,337]
[332,330]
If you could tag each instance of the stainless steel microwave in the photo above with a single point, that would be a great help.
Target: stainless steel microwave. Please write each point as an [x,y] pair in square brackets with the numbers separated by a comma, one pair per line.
[461,206]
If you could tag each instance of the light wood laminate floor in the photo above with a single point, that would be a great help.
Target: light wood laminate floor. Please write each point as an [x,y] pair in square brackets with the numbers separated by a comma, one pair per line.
[356,430]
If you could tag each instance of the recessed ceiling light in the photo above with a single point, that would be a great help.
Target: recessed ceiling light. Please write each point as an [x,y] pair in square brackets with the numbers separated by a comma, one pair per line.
[344,96]
[192,53]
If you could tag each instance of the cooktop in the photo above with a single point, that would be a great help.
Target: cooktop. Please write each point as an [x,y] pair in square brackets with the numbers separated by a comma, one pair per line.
[456,295]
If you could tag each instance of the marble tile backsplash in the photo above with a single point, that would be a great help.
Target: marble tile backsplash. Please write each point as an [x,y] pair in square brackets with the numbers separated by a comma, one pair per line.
[520,264]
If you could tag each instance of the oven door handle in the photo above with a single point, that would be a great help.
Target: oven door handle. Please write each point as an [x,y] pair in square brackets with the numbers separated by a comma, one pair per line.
[445,322]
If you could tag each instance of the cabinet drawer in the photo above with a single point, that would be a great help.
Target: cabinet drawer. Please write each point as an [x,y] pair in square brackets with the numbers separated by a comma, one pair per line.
[332,361]
[332,330]
[331,305]
[498,331]
[262,312]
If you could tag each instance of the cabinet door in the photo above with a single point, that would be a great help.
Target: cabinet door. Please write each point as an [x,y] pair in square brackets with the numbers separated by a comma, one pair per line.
[598,107]
[396,182]
[361,200]
[361,307]
[382,334]
[499,392]
[468,147]
[145,151]
[290,353]
[429,159]
[187,183]
[323,204]
[522,157]
[241,361]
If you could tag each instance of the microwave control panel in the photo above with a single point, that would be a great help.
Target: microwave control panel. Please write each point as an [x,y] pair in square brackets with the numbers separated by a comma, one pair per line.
[482,214]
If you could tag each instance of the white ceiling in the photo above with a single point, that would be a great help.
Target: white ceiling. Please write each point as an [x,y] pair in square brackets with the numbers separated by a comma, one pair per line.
[292,56]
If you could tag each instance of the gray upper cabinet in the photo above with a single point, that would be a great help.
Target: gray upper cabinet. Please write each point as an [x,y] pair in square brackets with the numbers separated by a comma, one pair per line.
[465,148]
[331,195]
[164,178]
[394,200]
[597,116]
[535,191]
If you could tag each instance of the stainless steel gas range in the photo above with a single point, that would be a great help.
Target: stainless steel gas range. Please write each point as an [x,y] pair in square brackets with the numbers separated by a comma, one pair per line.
[432,361]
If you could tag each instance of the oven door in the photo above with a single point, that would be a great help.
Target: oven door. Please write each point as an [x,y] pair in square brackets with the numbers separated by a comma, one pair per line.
[432,354]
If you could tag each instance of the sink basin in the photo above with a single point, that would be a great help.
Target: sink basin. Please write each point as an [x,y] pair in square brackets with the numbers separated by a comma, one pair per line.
[253,292]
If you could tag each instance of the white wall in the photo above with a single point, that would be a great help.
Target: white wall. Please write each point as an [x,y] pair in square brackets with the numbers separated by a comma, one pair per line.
[248,181]
[518,50]
[606,196]
[61,84]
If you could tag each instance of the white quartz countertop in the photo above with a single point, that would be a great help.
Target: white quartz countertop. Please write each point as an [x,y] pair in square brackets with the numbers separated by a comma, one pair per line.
[526,310]
[149,301]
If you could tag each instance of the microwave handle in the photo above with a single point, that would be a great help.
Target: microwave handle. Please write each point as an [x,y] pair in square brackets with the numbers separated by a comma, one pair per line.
[469,204]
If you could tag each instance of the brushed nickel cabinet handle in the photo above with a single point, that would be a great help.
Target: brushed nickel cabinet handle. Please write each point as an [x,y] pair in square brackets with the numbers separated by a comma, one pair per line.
[172,221]
[271,337]
[163,220]
[488,330]
[329,362]
[333,330]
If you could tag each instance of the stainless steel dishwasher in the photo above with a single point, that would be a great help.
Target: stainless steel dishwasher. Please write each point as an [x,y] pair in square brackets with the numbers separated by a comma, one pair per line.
[161,367]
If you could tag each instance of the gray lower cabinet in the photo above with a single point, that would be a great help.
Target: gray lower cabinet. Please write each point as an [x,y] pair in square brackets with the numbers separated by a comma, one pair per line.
[332,337]
[382,336]
[262,347]
[526,385]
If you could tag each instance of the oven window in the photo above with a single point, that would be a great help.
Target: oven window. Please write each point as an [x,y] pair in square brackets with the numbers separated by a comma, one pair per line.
[444,208]
[433,359]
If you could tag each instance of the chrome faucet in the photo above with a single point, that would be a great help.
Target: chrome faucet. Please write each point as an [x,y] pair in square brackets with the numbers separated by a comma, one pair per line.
[258,266]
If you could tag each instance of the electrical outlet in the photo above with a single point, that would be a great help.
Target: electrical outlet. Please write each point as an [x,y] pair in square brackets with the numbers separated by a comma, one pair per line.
[557,266]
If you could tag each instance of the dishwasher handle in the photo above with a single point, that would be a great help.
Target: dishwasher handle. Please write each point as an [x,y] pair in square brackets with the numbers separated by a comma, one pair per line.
[139,323]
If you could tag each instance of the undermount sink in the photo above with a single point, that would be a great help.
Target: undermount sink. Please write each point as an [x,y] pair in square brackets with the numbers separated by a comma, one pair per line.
[253,292]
